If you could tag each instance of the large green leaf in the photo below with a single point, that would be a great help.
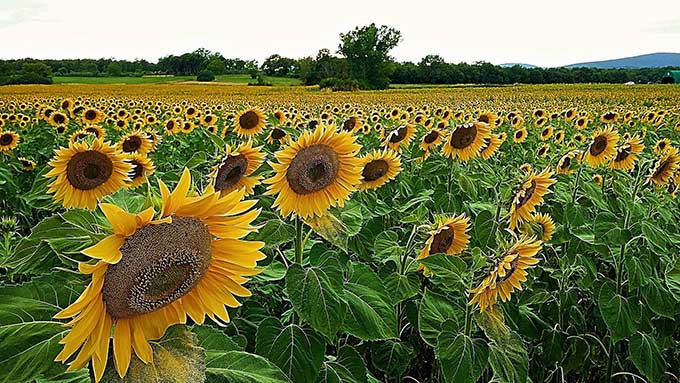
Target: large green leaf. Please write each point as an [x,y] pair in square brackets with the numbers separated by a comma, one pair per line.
[449,267]
[673,278]
[618,313]
[370,314]
[402,287]
[434,310]
[462,359]
[29,337]
[347,367]
[509,360]
[242,367]
[391,357]
[275,232]
[296,350]
[647,357]
[316,295]
[386,246]
[659,300]
[485,234]
[654,236]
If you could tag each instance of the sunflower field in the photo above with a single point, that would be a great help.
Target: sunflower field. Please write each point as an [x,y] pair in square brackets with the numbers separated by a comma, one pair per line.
[192,233]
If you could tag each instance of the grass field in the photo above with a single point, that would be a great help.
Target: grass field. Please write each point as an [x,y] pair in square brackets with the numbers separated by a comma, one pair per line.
[227,79]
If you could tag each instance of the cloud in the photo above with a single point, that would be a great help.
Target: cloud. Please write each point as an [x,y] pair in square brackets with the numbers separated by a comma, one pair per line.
[671,27]
[16,12]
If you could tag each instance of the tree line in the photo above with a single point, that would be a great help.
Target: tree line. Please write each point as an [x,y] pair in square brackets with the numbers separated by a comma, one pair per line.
[362,61]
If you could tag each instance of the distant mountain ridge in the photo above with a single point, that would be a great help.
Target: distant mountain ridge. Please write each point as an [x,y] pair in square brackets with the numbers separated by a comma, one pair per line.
[509,65]
[651,60]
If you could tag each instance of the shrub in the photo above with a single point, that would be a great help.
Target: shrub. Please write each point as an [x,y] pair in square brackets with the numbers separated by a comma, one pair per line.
[205,76]
[339,84]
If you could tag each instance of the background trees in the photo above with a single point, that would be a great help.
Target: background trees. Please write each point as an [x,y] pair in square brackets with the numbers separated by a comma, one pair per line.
[366,50]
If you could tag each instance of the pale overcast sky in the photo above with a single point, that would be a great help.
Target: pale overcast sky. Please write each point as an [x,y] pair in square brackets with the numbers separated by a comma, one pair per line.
[540,32]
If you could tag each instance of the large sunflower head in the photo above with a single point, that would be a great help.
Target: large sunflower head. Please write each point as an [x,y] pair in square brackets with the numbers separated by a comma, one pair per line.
[135,143]
[627,154]
[508,275]
[142,168]
[86,173]
[151,274]
[529,196]
[665,167]
[379,168]
[450,236]
[250,122]
[321,169]
[400,137]
[236,169]
[602,148]
[8,140]
[466,140]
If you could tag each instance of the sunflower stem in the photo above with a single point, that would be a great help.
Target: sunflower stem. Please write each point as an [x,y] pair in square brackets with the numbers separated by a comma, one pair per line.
[298,240]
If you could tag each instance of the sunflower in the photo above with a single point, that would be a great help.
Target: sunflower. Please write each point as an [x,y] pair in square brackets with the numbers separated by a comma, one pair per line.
[58,118]
[249,122]
[581,123]
[154,138]
[665,167]
[466,140]
[543,150]
[352,124]
[80,135]
[488,118]
[86,173]
[27,164]
[661,146]
[602,148]
[598,179]
[431,140]
[379,168]
[278,135]
[570,114]
[317,171]
[142,168]
[491,146]
[449,237]
[517,122]
[235,169]
[609,117]
[546,133]
[150,274]
[280,116]
[547,225]
[135,143]
[529,196]
[400,137]
[172,126]
[508,275]
[627,154]
[8,140]
[97,130]
[520,135]
[92,116]
[540,122]
[559,136]
[565,162]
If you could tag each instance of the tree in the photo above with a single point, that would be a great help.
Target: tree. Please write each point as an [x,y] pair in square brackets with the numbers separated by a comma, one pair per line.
[276,65]
[367,52]
[114,69]
[216,66]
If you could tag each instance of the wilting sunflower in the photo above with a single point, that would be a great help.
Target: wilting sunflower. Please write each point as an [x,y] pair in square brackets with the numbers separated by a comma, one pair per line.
[665,167]
[27,164]
[379,168]
[565,162]
[142,168]
[86,173]
[400,137]
[529,196]
[135,143]
[627,154]
[491,146]
[546,224]
[466,140]
[150,274]
[317,171]
[450,237]
[8,140]
[508,275]
[235,169]
[249,122]
[278,135]
[602,148]
[520,135]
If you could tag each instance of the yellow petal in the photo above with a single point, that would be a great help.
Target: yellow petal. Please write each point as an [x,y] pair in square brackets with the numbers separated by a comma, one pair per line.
[123,222]
[122,343]
[108,249]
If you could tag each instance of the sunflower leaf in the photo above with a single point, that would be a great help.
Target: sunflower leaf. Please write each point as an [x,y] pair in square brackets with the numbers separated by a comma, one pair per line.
[347,367]
[243,367]
[647,357]
[618,313]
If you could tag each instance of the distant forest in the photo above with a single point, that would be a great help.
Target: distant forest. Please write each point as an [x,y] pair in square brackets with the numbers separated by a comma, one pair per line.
[432,69]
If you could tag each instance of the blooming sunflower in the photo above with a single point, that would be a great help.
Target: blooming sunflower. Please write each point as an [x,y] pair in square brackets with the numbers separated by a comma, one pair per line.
[97,130]
[86,173]
[150,274]
[529,196]
[547,225]
[609,117]
[627,154]
[8,140]
[352,124]
[565,162]
[92,116]
[546,133]
[235,169]
[450,237]
[135,143]
[27,164]
[317,171]
[543,150]
[491,146]
[508,275]
[278,135]
[665,167]
[249,122]
[142,168]
[379,168]
[488,118]
[466,140]
[661,145]
[400,137]
[602,148]
[431,140]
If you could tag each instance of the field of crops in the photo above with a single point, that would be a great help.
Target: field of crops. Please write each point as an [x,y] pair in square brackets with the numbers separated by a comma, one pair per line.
[192,233]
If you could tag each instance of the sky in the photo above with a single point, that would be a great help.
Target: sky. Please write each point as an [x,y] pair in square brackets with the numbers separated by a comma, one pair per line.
[541,32]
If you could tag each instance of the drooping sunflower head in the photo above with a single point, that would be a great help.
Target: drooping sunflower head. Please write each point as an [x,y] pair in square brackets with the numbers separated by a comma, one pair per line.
[529,196]
[27,164]
[602,148]
[8,140]
[449,236]
[152,274]
[466,140]
[400,137]
[564,165]
[491,146]
[544,222]
[627,154]
[508,275]
[379,168]
[321,169]
[249,122]
[142,168]
[86,173]
[234,172]
[665,167]
[135,143]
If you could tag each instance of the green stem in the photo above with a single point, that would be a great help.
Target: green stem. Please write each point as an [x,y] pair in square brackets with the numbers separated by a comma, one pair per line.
[298,240]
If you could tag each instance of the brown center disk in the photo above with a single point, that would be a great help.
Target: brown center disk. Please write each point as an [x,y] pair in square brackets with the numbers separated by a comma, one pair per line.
[248,120]
[508,273]
[160,264]
[59,118]
[6,139]
[431,137]
[349,124]
[312,124]
[87,170]
[278,134]
[661,168]
[442,241]
[313,169]
[527,194]
[375,170]
[622,154]
[398,134]
[90,115]
[230,171]
[609,116]
[132,144]
[137,170]
[208,119]
[93,131]
[463,136]
[598,146]
[484,118]
[566,161]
